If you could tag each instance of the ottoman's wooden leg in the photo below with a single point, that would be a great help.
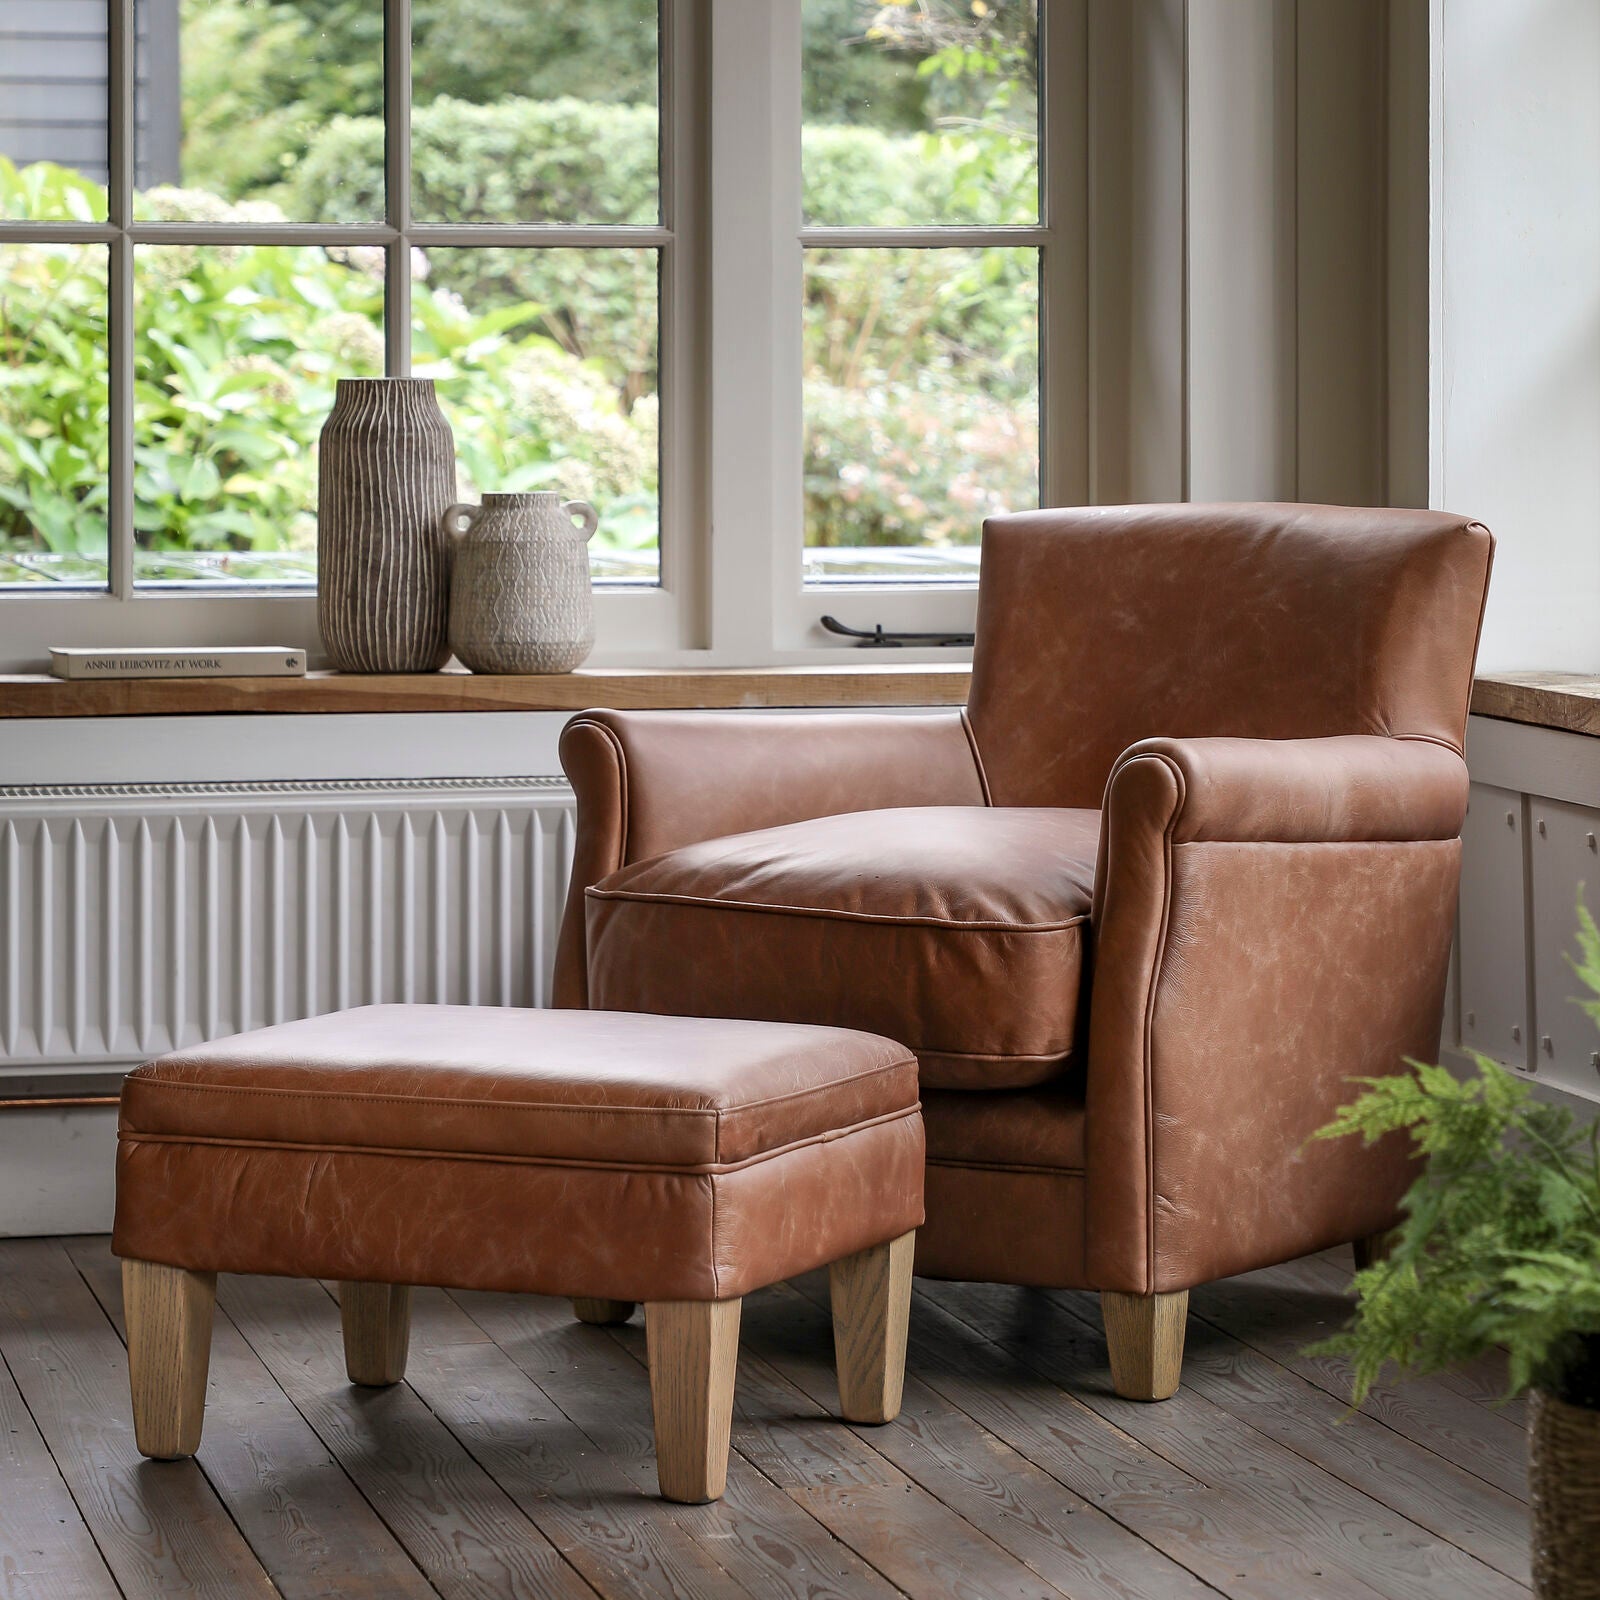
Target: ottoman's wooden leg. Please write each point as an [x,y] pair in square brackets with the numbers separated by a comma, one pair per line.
[168,1315]
[1374,1248]
[694,1349]
[1144,1333]
[871,1295]
[377,1331]
[602,1313]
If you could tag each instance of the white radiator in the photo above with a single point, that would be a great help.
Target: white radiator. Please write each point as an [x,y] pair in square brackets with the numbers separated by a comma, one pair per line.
[137,919]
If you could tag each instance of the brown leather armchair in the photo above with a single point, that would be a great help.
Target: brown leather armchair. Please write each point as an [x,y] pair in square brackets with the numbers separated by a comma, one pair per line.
[1185,865]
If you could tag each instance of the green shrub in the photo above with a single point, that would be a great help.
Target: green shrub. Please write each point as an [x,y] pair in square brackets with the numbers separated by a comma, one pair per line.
[520,161]
[54,452]
[237,350]
[906,352]
[892,466]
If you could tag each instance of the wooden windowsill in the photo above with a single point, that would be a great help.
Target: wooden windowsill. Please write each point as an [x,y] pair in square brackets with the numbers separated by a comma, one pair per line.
[37,695]
[1550,700]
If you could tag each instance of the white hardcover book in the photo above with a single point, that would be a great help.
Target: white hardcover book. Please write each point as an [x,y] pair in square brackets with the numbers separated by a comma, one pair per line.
[250,661]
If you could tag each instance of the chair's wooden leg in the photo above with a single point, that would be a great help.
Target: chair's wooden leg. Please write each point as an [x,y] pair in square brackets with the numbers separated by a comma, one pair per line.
[377,1331]
[871,1294]
[1144,1333]
[694,1350]
[602,1313]
[1374,1248]
[168,1315]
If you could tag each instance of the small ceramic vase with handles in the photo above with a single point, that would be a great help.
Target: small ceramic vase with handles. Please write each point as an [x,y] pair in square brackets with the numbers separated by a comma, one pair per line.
[520,597]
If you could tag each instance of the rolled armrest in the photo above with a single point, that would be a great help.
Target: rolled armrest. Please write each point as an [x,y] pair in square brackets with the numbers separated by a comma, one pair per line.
[652,781]
[1353,787]
[1272,918]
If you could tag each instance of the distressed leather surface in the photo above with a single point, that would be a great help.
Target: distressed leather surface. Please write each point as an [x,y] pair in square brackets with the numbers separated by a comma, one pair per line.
[1005,1188]
[531,1228]
[958,930]
[648,782]
[1020,1128]
[1103,625]
[491,1080]
[1240,985]
[627,1157]
[1003,1225]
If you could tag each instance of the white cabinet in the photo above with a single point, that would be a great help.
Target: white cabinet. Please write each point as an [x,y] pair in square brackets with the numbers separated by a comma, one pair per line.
[1492,939]
[1531,837]
[1563,852]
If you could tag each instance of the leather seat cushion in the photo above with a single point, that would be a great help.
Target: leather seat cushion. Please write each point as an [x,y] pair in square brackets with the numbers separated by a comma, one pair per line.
[958,930]
[539,1085]
[577,1153]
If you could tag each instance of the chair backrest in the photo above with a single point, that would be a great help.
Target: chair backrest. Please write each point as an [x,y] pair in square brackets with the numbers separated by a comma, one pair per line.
[1101,626]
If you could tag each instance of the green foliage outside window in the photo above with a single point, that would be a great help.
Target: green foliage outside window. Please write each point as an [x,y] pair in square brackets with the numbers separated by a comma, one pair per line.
[236,356]
[920,381]
[1501,1240]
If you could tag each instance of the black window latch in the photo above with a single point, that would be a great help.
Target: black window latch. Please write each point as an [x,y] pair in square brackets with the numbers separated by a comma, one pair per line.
[879,638]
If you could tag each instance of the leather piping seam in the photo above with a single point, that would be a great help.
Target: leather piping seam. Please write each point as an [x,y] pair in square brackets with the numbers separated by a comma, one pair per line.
[759,907]
[1005,1166]
[1150,1007]
[1043,1058]
[1150,1024]
[1321,844]
[1430,738]
[977,757]
[609,733]
[703,1169]
[715,1113]
[1483,607]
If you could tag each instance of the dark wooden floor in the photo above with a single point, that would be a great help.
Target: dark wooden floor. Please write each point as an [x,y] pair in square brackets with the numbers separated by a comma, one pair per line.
[517,1458]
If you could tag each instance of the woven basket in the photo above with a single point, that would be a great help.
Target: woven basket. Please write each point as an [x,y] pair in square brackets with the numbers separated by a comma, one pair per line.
[1564,1480]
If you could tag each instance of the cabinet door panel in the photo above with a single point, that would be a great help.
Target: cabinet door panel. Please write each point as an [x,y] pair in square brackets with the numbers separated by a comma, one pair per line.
[1493,944]
[1564,851]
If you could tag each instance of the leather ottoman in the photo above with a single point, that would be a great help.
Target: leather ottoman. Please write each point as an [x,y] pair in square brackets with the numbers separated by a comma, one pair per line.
[607,1156]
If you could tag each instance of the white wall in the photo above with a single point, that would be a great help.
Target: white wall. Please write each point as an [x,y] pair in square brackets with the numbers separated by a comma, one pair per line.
[1515,405]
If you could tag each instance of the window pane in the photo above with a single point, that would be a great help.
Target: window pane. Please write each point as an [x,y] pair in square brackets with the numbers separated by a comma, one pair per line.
[238,347]
[921,114]
[53,434]
[53,100]
[547,366]
[275,106]
[535,112]
[922,403]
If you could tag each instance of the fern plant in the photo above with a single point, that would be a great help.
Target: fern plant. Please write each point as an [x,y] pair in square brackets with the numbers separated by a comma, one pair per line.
[1500,1245]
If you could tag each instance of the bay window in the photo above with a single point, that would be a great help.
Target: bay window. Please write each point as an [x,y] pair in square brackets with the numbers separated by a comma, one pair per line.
[793,292]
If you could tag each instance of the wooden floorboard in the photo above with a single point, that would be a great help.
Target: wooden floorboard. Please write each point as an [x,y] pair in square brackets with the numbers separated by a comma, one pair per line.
[767,1544]
[1431,1491]
[1281,1310]
[308,1525]
[47,1549]
[159,1525]
[459,1526]
[516,1460]
[1330,1525]
[1061,1536]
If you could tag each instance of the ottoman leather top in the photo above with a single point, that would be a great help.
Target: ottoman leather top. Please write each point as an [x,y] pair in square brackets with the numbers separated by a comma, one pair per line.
[600,1088]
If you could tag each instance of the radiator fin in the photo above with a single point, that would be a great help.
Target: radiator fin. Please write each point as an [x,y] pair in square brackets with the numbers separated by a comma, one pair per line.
[135,923]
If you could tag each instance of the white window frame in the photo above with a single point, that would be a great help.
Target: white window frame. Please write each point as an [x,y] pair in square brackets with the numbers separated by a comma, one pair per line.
[732,243]
[761,607]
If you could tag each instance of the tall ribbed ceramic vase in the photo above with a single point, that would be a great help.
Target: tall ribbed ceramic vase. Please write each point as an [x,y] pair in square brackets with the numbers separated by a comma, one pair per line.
[386,473]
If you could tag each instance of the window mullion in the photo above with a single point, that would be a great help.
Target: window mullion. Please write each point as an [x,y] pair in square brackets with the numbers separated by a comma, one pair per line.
[120,309]
[756,407]
[397,186]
